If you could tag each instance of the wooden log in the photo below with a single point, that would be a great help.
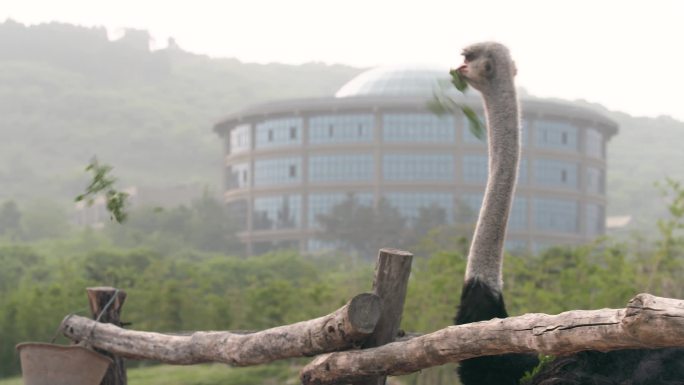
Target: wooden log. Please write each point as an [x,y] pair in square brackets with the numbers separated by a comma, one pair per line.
[106,308]
[392,271]
[647,322]
[344,328]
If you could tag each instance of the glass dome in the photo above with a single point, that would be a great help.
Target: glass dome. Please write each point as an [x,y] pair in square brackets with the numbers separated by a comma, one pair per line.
[395,81]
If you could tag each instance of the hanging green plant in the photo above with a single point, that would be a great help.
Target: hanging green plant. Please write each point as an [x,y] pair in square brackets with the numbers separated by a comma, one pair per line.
[103,183]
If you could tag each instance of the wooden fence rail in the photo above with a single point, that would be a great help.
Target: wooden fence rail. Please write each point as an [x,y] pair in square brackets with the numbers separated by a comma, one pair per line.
[371,320]
[344,328]
[646,322]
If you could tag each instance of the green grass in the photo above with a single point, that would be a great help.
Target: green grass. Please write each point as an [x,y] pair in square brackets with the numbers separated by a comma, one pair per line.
[12,381]
[210,374]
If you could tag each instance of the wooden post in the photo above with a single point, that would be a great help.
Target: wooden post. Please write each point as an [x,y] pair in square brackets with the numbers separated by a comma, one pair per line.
[392,270]
[99,297]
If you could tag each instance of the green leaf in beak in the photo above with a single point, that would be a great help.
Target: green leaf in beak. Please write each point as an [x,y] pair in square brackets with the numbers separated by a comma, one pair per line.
[458,81]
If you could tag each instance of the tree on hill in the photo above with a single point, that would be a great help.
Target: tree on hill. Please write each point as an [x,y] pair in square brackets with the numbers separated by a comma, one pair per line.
[10,220]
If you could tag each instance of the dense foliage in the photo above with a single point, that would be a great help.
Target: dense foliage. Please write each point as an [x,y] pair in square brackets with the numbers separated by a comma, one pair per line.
[177,289]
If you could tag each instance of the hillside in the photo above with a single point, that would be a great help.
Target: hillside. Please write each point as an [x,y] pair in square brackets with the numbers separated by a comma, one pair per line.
[645,151]
[68,93]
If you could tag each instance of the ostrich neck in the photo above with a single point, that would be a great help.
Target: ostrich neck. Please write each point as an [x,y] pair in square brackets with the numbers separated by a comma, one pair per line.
[503,126]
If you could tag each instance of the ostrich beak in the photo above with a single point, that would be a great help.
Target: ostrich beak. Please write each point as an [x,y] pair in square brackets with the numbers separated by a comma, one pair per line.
[463,69]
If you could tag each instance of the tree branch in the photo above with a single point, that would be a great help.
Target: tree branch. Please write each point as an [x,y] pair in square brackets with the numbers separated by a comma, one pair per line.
[344,328]
[647,322]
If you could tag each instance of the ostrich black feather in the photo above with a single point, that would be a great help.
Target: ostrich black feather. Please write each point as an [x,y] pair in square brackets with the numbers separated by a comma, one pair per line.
[480,303]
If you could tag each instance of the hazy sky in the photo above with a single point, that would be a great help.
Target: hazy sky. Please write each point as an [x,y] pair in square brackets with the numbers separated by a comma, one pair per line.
[627,55]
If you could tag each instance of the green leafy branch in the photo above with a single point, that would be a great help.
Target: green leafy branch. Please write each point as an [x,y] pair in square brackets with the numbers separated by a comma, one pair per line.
[544,361]
[103,183]
[443,104]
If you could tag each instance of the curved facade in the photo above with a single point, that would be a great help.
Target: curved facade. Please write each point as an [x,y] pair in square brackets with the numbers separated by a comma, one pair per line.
[288,162]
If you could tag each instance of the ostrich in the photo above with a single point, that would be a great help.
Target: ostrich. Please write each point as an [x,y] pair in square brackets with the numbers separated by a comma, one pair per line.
[489,68]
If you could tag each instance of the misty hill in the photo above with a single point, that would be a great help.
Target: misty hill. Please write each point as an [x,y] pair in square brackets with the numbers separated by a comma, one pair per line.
[68,93]
[645,151]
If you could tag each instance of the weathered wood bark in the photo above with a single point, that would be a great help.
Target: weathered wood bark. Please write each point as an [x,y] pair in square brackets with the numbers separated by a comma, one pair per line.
[647,322]
[98,298]
[392,271]
[344,328]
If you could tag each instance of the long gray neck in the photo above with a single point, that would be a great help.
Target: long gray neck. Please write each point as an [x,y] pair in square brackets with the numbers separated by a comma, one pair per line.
[485,259]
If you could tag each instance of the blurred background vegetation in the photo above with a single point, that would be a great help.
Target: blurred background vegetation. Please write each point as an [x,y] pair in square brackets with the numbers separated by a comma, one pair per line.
[67,93]
[177,281]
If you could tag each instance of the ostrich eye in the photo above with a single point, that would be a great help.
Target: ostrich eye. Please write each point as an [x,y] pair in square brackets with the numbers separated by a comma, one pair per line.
[468,56]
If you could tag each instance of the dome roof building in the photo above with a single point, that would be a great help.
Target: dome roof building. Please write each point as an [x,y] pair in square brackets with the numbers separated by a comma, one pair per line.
[289,162]
[395,81]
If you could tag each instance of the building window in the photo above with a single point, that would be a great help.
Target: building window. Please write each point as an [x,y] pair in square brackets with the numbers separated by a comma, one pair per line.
[556,215]
[278,132]
[342,128]
[417,167]
[524,131]
[280,212]
[475,168]
[517,220]
[556,134]
[522,171]
[240,138]
[422,127]
[268,172]
[595,181]
[595,219]
[556,173]
[594,143]
[341,168]
[238,176]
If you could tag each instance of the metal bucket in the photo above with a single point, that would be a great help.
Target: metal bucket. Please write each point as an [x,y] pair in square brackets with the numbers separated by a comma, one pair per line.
[48,364]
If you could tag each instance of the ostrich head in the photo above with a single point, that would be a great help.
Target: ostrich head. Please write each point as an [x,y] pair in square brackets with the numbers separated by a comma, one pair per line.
[487,66]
